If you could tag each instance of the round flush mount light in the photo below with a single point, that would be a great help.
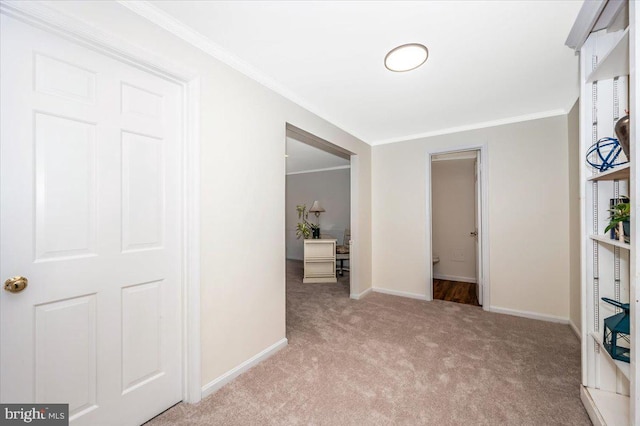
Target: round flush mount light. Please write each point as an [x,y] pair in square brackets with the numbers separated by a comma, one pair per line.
[406,57]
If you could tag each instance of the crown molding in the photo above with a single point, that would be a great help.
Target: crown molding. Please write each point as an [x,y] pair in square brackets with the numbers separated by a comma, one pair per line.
[159,17]
[475,126]
[44,17]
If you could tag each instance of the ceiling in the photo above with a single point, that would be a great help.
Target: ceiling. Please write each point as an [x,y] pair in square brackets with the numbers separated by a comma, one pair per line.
[303,158]
[490,62]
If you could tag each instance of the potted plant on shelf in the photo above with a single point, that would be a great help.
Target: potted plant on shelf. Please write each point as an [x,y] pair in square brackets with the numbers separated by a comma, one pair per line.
[619,220]
[305,228]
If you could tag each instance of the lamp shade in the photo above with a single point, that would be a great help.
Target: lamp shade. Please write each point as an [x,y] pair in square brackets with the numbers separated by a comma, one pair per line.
[316,208]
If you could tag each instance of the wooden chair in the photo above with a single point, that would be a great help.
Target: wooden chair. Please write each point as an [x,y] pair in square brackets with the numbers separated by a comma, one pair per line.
[342,252]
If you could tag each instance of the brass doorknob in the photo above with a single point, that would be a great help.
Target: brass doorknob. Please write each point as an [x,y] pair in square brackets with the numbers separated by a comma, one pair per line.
[16,284]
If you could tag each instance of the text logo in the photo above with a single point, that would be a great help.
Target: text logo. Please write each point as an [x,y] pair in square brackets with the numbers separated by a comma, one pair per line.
[34,414]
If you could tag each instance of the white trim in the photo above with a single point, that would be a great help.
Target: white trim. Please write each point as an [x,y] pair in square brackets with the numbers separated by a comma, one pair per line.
[528,314]
[358,296]
[326,169]
[485,273]
[354,223]
[575,329]
[455,157]
[159,17]
[400,293]
[634,257]
[191,257]
[455,278]
[40,16]
[474,126]
[227,377]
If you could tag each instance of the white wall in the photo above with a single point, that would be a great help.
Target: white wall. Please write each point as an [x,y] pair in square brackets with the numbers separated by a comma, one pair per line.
[243,191]
[528,214]
[574,213]
[453,209]
[332,189]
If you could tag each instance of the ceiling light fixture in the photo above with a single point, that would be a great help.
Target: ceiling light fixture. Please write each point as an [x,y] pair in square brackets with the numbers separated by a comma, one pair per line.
[406,57]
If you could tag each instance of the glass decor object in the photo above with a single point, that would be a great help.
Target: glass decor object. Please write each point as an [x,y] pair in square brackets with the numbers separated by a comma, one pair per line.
[622,132]
[616,332]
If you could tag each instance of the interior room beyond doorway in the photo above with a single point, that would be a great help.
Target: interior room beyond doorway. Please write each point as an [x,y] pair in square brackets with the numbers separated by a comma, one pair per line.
[454,206]
[318,212]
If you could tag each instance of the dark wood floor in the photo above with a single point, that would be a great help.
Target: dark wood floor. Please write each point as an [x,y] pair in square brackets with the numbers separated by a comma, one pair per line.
[454,291]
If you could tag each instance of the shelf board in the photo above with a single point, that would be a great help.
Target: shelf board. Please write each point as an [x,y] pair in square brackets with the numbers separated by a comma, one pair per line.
[615,62]
[606,240]
[612,408]
[619,173]
[624,367]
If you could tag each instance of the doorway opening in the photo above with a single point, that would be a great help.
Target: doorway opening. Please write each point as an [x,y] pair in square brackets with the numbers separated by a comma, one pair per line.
[318,224]
[456,218]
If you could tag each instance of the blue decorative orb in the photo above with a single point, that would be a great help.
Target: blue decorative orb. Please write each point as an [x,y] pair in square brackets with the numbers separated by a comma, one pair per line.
[607,154]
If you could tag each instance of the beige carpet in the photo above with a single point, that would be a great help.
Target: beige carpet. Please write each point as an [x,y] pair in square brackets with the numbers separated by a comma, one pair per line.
[388,360]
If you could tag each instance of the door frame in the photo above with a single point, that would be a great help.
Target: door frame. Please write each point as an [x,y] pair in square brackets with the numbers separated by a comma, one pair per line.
[111,45]
[324,145]
[483,226]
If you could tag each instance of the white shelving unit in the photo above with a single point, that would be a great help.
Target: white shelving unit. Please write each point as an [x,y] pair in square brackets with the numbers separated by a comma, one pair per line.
[615,62]
[624,367]
[606,240]
[622,172]
[605,408]
[319,261]
[604,35]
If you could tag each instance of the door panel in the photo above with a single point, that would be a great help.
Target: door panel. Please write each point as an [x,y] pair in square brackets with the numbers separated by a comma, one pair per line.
[65,206]
[90,152]
[141,334]
[66,330]
[140,102]
[66,80]
[142,191]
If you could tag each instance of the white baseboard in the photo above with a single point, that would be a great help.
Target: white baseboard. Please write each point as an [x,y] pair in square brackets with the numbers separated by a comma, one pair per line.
[227,377]
[575,329]
[358,296]
[454,278]
[400,293]
[527,314]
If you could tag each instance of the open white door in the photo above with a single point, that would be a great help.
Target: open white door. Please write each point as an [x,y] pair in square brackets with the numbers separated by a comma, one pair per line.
[478,221]
[89,214]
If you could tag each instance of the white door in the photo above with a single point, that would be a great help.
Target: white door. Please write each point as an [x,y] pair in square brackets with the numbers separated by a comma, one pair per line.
[89,213]
[478,221]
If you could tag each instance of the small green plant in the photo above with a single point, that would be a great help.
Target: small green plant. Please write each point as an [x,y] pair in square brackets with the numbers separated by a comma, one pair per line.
[304,228]
[619,213]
